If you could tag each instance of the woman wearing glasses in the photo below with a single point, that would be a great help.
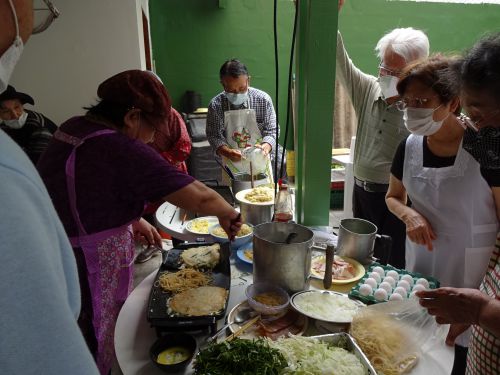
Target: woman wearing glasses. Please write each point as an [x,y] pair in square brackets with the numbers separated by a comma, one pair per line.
[451,226]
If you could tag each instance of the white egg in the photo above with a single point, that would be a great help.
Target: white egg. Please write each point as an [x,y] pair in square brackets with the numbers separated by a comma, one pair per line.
[423,282]
[372,282]
[380,294]
[405,284]
[376,276]
[408,278]
[365,290]
[393,274]
[386,286]
[395,297]
[400,290]
[418,288]
[390,280]
[379,270]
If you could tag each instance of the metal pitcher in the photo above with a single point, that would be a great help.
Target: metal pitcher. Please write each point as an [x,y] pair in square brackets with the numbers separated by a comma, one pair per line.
[358,238]
[285,264]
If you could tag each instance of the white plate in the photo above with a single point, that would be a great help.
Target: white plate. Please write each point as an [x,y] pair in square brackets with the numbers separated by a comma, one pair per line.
[211,220]
[240,196]
[327,294]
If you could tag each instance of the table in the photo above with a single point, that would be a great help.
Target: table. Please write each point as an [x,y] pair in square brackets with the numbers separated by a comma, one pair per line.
[134,336]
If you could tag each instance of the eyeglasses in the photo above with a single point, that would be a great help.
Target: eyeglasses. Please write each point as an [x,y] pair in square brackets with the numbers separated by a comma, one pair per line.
[44,13]
[413,102]
[475,124]
[384,71]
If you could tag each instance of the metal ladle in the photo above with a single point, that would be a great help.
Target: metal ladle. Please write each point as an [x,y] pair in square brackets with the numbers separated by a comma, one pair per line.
[241,316]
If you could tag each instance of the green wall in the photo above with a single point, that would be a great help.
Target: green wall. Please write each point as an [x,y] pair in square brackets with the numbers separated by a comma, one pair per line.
[192,38]
[451,27]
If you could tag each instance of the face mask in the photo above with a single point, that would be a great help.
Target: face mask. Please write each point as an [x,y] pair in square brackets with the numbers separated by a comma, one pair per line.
[237,99]
[419,121]
[10,57]
[17,123]
[388,86]
[484,146]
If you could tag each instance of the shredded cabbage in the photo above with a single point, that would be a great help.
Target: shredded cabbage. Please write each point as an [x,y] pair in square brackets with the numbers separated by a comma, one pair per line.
[306,355]
[325,306]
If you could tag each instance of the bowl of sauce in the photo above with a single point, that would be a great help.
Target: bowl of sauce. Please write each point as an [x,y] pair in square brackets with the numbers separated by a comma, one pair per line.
[173,352]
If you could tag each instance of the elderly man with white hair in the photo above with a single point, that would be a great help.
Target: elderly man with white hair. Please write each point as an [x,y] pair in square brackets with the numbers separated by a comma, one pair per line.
[380,128]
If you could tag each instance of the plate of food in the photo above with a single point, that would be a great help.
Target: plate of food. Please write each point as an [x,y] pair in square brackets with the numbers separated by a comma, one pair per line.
[245,253]
[200,225]
[325,305]
[291,322]
[260,196]
[344,270]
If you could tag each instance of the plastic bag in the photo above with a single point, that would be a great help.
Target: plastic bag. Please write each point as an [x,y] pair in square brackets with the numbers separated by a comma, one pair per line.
[255,156]
[396,335]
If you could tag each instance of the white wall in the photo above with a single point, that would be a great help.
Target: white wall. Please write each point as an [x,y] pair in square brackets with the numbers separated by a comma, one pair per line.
[91,40]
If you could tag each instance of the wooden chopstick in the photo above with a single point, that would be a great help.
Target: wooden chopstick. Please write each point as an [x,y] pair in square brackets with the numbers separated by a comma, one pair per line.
[243,328]
[251,176]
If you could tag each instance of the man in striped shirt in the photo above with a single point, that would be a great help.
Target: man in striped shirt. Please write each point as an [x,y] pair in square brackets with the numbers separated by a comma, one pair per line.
[31,130]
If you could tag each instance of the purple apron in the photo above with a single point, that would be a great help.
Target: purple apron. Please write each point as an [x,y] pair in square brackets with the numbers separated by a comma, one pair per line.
[109,256]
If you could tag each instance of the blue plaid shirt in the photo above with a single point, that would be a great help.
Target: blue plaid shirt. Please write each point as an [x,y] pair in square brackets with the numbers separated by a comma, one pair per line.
[264,112]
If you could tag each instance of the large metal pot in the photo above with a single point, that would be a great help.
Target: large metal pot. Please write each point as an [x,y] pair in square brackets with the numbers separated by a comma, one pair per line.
[357,239]
[254,213]
[242,181]
[274,261]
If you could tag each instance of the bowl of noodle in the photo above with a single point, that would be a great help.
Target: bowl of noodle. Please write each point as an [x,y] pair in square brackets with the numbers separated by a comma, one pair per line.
[242,237]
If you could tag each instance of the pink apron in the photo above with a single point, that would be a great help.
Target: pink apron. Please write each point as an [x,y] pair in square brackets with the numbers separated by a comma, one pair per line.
[109,258]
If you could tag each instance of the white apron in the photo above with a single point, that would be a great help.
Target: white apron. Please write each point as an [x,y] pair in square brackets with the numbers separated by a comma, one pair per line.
[459,205]
[242,131]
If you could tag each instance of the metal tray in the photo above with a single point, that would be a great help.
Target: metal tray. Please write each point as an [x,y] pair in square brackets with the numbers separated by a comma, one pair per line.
[157,314]
[347,342]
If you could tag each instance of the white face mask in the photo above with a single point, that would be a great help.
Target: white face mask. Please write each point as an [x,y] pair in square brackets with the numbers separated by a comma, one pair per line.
[10,57]
[237,99]
[388,86]
[18,123]
[419,121]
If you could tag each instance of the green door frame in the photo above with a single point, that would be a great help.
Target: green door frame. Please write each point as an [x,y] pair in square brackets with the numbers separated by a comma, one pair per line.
[315,93]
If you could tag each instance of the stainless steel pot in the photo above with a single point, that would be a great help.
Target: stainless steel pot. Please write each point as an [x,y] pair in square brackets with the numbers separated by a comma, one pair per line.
[357,239]
[242,181]
[254,213]
[286,265]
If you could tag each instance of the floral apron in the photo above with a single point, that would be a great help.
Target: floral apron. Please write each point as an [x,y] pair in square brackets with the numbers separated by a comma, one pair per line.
[109,258]
[242,131]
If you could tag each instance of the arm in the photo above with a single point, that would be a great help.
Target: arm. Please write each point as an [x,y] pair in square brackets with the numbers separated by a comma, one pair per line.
[356,83]
[196,197]
[143,229]
[466,306]
[418,228]
[269,128]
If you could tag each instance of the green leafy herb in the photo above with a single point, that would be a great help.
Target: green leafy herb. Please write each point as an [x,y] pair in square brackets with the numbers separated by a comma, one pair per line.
[240,357]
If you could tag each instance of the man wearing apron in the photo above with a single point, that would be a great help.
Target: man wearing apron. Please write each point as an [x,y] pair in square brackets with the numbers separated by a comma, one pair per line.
[241,117]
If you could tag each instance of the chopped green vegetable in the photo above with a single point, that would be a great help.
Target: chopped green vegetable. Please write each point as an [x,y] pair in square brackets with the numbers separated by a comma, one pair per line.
[240,357]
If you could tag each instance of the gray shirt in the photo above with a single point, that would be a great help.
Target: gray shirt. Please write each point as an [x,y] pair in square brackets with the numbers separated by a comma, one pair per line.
[380,126]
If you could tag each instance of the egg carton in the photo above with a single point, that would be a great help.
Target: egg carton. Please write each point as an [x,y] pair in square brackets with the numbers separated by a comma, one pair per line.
[405,291]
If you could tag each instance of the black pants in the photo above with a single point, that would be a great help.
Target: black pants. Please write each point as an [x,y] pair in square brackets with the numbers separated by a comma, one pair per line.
[372,207]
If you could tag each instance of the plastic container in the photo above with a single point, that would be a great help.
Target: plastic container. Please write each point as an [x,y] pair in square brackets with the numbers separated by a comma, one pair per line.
[260,288]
